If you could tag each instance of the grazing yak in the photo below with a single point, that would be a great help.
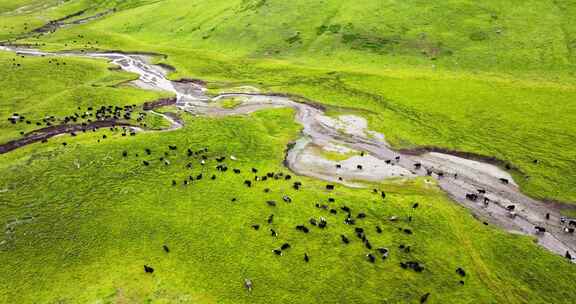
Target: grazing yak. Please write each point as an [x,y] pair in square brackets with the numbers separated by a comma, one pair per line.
[368,245]
[248,284]
[472,196]
[349,221]
[412,265]
[297,185]
[302,228]
[148,269]
[424,298]
[371,258]
[383,251]
[540,230]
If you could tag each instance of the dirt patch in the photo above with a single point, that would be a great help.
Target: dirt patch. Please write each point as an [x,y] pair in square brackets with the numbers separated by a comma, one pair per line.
[48,132]
[159,103]
[191,80]
[167,67]
[52,25]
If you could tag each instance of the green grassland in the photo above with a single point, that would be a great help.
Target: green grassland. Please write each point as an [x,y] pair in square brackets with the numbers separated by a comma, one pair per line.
[80,221]
[479,77]
[37,87]
[335,155]
[230,103]
[85,214]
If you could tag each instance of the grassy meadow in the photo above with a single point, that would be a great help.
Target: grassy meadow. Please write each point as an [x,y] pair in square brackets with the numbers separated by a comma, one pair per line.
[409,62]
[39,87]
[81,220]
[85,214]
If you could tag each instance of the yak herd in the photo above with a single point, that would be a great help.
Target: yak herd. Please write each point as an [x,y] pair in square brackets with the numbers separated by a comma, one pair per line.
[568,225]
[103,113]
[212,167]
[90,119]
[201,158]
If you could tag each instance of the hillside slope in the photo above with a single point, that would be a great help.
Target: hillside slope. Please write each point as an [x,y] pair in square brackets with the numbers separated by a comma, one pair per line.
[83,213]
[462,75]
[489,35]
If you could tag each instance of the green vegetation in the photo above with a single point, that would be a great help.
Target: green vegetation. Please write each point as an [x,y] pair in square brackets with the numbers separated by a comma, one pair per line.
[336,155]
[570,213]
[37,87]
[90,216]
[491,77]
[410,69]
[230,103]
